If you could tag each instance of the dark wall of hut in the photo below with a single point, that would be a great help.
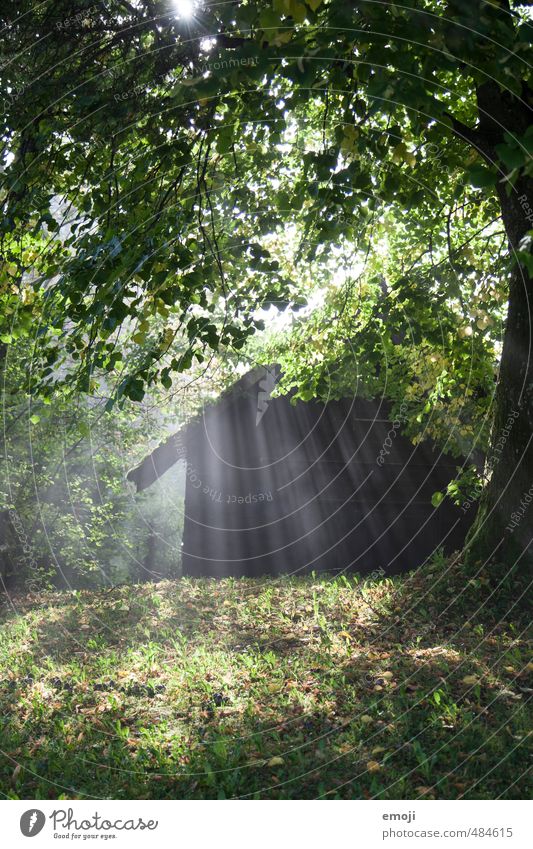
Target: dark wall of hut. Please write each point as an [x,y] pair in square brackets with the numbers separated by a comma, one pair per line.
[278,488]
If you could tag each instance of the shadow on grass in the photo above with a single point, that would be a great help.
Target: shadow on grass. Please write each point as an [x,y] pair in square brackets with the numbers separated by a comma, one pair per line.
[198,689]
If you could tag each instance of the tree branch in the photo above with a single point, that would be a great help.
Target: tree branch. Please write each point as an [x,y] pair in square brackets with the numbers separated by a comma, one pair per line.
[470,135]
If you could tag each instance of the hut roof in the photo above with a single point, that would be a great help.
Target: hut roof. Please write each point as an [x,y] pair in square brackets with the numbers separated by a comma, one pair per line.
[174,447]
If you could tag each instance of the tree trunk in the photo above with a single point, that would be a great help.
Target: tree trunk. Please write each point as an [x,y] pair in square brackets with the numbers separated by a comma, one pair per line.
[502,531]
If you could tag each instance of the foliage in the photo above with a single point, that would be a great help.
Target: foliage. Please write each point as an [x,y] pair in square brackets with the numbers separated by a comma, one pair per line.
[68,517]
[437,365]
[172,159]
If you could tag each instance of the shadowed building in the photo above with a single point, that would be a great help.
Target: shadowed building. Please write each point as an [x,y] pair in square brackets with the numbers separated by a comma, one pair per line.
[279,488]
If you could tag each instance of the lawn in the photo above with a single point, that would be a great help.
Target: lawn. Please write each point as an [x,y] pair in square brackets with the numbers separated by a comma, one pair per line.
[413,687]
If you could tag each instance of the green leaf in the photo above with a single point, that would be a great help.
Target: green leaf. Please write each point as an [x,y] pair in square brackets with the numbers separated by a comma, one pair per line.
[134,389]
[437,498]
[481,177]
[512,157]
[297,11]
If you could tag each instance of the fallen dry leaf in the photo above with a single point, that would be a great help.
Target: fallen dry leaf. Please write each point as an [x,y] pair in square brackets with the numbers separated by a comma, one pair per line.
[423,791]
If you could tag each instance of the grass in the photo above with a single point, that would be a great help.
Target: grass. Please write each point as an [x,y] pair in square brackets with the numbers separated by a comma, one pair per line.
[406,688]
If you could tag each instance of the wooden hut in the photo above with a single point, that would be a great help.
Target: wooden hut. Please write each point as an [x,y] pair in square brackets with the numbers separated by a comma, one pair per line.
[279,488]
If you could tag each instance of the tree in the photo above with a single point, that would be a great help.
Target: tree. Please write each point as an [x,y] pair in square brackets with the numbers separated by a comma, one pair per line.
[170,150]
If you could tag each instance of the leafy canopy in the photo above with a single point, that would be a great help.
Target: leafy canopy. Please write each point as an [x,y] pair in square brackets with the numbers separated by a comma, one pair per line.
[151,167]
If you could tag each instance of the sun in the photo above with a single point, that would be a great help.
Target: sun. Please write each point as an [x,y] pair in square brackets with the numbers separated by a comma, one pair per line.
[185,8]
